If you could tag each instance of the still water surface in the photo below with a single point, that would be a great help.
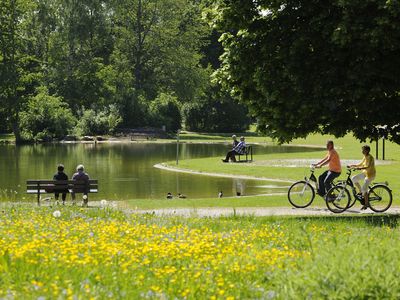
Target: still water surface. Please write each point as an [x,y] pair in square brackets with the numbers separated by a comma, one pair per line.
[125,170]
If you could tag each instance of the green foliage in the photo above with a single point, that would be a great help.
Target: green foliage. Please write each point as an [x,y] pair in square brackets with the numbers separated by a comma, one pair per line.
[19,68]
[46,117]
[100,53]
[216,112]
[313,66]
[93,122]
[164,110]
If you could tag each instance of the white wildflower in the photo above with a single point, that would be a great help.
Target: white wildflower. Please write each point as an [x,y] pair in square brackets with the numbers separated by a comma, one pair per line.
[57,214]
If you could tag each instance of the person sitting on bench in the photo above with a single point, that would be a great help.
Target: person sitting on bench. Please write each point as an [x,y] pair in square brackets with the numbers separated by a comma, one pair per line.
[238,150]
[235,142]
[81,175]
[60,175]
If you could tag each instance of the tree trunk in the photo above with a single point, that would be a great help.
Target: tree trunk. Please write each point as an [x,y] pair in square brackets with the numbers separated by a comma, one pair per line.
[16,130]
[139,46]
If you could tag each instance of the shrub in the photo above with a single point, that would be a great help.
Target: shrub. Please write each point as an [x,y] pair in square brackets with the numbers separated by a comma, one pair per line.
[46,117]
[92,122]
[164,110]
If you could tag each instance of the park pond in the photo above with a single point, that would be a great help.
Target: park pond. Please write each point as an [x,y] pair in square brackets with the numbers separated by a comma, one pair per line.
[126,170]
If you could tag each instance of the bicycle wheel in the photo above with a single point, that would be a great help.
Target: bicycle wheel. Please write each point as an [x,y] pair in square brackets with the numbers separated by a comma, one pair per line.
[301,194]
[380,198]
[352,202]
[338,199]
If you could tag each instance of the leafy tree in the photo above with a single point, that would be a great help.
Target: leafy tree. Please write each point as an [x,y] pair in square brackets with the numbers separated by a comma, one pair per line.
[217,111]
[46,117]
[164,111]
[80,48]
[101,121]
[18,69]
[160,40]
[313,66]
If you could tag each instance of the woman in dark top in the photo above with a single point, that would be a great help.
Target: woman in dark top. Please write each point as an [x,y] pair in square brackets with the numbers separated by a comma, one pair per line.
[60,175]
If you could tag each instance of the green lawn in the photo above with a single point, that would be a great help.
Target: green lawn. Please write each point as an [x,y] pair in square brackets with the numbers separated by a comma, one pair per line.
[102,253]
[251,201]
[250,135]
[348,148]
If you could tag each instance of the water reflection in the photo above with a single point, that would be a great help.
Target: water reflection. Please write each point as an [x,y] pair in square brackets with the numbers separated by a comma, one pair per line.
[125,171]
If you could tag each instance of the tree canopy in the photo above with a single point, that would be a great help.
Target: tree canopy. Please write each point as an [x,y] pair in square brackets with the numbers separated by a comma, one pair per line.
[313,66]
[131,55]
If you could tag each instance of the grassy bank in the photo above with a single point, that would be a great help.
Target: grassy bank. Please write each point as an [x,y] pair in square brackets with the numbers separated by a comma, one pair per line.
[6,137]
[101,253]
[250,135]
[251,201]
[263,166]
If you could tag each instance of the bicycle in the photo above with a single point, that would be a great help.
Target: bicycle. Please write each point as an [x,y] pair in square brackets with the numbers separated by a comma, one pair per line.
[302,193]
[379,194]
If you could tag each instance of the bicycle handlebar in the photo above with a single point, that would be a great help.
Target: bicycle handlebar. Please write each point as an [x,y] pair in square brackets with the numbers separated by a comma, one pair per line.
[351,168]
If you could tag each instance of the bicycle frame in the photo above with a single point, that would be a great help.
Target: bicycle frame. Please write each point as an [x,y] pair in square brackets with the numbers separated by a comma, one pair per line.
[312,178]
[348,182]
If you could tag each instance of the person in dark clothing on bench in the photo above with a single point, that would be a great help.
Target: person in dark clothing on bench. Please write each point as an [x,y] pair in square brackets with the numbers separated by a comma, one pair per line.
[238,149]
[60,175]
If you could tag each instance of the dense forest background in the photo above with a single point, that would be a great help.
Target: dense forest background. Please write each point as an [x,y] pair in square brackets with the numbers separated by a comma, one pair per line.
[96,66]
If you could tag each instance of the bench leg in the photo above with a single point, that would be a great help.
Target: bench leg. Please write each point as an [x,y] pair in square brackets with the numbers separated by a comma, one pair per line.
[38,197]
[73,198]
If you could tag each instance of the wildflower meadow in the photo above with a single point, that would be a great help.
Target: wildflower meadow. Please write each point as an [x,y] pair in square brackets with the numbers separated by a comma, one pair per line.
[74,253]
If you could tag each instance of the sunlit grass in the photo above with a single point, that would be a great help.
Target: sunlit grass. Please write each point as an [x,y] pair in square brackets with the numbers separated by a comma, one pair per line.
[103,253]
[348,147]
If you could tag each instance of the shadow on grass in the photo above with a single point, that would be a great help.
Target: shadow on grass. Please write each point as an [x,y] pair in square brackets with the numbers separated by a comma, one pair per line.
[377,220]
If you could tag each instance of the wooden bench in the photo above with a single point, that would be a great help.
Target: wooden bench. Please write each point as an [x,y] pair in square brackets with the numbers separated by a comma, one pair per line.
[248,151]
[39,187]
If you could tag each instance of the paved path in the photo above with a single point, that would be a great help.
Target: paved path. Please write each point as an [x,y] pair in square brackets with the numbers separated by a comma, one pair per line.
[253,211]
[215,211]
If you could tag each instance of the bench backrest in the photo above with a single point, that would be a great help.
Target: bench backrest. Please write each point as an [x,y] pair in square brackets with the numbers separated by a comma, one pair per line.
[62,185]
[247,149]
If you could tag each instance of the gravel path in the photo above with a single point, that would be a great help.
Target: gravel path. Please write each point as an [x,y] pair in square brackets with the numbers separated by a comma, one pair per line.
[212,212]
[252,211]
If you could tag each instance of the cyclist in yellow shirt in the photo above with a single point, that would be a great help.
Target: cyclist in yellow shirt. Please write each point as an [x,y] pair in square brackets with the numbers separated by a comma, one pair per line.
[367,165]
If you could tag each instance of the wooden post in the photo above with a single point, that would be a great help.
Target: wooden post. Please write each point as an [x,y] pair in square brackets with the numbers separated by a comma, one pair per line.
[376,149]
[383,149]
[177,147]
[38,194]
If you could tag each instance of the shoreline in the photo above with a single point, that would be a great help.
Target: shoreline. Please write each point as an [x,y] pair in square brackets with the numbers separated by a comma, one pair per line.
[127,140]
[164,167]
